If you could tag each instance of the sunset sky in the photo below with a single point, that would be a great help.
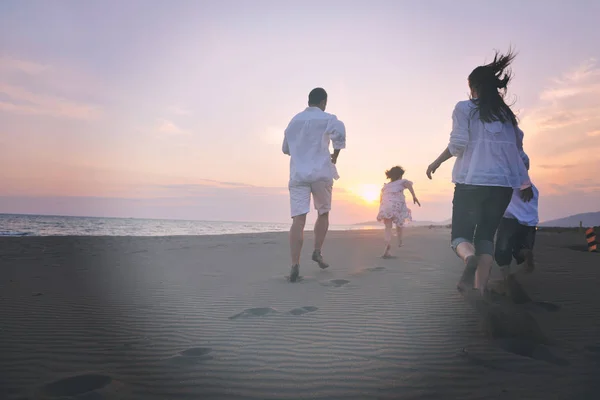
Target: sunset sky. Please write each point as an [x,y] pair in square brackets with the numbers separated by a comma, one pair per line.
[176,109]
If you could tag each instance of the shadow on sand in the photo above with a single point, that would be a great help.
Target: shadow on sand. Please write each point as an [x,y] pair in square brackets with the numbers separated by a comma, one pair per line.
[507,321]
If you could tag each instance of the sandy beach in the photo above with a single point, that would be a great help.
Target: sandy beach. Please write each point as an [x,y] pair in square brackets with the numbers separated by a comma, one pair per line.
[215,318]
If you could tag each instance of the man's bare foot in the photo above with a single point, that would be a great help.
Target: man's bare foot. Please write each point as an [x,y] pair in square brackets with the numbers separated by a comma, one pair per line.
[468,277]
[294,273]
[318,258]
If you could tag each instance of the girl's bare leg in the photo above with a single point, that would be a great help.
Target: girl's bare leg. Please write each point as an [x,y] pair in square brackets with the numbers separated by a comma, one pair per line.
[387,237]
[399,230]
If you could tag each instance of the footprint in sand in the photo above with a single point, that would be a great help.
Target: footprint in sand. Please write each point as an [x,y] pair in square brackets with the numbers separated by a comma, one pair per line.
[76,385]
[512,328]
[593,352]
[365,270]
[191,356]
[195,352]
[299,279]
[255,312]
[336,283]
[517,294]
[593,348]
[303,310]
[546,306]
[528,348]
[482,362]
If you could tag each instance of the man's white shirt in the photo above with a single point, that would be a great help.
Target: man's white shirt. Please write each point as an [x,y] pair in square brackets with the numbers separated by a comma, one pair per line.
[307,139]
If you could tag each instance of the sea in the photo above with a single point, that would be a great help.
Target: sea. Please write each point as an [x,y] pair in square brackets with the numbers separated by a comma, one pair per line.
[46,225]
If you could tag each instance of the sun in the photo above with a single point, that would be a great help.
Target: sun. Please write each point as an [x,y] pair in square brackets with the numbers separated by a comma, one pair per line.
[369,193]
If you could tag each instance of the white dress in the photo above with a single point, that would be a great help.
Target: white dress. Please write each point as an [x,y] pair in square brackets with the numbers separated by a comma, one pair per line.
[393,203]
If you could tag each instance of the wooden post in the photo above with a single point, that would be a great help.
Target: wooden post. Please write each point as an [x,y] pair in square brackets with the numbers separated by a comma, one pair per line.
[590,236]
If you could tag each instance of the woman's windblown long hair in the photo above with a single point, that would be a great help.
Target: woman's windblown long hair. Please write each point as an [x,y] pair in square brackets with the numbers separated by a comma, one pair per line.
[490,82]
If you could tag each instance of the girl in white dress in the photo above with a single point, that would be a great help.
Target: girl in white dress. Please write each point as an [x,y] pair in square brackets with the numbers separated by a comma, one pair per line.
[392,206]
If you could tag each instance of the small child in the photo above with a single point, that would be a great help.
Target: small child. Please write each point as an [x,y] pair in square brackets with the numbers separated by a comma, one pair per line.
[516,232]
[392,206]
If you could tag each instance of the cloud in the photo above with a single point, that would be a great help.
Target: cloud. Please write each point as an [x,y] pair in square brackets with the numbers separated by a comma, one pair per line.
[581,80]
[211,188]
[560,133]
[594,133]
[167,127]
[174,109]
[22,101]
[30,88]
[10,65]
[580,74]
[569,109]
[548,119]
[556,166]
[571,100]
[203,199]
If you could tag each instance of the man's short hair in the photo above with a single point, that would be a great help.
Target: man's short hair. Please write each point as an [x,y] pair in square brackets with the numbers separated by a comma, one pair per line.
[317,95]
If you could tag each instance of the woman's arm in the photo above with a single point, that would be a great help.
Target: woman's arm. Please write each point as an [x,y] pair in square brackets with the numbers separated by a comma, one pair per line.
[459,138]
[445,156]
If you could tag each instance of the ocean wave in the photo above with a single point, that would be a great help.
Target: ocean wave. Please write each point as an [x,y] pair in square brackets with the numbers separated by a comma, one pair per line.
[8,233]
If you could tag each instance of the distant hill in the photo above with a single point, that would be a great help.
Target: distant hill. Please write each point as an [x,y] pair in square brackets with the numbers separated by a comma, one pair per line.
[588,219]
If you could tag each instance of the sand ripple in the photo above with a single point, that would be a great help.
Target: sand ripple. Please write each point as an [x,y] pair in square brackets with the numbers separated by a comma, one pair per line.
[202,318]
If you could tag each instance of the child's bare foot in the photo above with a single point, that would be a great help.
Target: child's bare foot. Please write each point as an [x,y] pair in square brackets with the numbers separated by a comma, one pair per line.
[529,261]
[387,253]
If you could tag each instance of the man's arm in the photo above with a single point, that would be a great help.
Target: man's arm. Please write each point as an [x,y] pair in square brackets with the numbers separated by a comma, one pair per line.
[334,156]
[338,137]
[285,147]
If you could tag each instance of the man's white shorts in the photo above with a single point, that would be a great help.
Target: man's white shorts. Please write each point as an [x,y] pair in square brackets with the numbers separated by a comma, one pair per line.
[300,197]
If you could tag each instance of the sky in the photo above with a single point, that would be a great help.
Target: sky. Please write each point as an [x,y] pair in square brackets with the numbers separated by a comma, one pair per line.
[155,109]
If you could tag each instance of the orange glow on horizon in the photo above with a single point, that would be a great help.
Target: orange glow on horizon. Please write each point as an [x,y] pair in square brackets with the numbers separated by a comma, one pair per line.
[368,193]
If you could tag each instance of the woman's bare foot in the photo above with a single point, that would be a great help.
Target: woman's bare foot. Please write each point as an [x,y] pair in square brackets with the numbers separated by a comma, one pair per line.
[467,279]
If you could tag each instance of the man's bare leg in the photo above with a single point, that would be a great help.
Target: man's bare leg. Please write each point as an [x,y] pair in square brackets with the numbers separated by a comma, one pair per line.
[296,242]
[321,228]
